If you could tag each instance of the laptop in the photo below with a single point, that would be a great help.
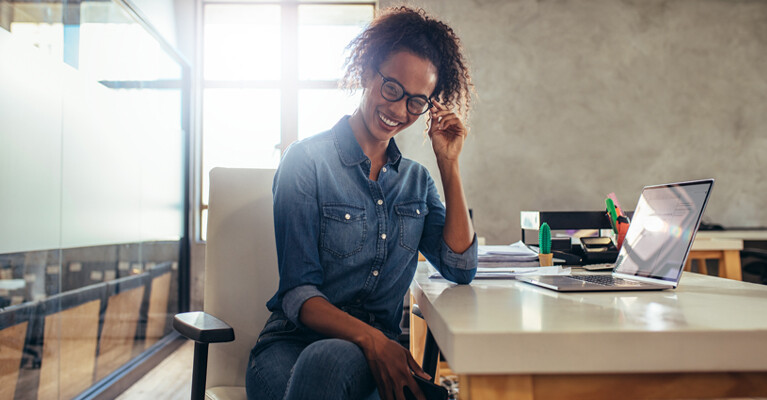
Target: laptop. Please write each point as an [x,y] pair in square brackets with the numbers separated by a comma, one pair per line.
[656,246]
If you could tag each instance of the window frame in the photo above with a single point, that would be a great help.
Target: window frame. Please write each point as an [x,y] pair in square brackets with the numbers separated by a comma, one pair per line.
[288,84]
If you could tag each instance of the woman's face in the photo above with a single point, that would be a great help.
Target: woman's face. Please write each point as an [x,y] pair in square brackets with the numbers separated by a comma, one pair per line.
[383,118]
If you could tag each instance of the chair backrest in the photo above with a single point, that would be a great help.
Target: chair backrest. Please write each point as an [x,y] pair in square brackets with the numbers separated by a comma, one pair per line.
[157,314]
[14,322]
[121,318]
[70,330]
[240,265]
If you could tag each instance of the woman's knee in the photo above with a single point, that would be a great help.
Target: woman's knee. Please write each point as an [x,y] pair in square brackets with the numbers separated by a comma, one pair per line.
[332,352]
[338,366]
[269,370]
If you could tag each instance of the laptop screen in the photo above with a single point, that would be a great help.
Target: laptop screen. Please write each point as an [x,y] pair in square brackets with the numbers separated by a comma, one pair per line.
[662,230]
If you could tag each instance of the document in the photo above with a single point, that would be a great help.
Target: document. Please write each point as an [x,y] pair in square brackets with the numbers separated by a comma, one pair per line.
[513,253]
[511,272]
[518,249]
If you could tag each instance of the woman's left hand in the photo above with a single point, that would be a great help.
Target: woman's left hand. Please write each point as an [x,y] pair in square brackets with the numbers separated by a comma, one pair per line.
[447,133]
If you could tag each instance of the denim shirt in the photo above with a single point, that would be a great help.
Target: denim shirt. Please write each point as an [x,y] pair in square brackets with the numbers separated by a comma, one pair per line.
[352,240]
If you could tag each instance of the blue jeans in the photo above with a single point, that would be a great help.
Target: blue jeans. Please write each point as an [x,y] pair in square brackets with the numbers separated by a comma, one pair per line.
[290,363]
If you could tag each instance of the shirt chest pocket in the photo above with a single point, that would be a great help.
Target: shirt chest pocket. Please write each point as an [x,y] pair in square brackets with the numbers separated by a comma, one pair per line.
[412,216]
[344,228]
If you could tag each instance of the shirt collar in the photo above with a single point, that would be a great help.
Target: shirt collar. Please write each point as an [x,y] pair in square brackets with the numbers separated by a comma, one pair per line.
[350,151]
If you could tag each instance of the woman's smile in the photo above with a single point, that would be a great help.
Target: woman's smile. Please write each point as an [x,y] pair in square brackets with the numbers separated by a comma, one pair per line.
[389,123]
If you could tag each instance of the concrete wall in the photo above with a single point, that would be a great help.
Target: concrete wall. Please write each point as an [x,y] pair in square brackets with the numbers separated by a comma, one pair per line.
[581,98]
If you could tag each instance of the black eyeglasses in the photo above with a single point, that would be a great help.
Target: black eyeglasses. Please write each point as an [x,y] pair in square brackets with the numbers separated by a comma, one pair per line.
[393,91]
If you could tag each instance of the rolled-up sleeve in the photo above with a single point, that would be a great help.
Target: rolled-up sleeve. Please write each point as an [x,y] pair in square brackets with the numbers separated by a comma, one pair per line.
[296,228]
[456,267]
[295,298]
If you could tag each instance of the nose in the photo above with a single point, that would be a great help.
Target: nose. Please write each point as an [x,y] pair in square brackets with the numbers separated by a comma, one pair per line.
[399,108]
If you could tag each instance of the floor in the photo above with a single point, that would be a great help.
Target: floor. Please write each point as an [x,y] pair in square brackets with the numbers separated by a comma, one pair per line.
[171,379]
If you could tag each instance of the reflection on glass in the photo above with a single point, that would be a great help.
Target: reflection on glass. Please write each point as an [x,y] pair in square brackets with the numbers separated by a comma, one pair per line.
[320,109]
[242,130]
[242,42]
[324,31]
[113,47]
[100,166]
[37,24]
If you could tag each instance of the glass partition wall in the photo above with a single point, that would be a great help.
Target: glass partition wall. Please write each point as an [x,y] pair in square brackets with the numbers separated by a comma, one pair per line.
[93,177]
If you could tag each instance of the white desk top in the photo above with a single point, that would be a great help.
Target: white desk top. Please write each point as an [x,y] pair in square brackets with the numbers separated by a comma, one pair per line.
[505,326]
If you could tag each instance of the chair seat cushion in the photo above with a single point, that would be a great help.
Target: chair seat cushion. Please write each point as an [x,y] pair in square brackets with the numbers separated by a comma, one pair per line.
[226,393]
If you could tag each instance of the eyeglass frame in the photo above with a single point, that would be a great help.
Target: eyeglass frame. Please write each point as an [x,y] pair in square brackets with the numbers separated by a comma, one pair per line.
[403,95]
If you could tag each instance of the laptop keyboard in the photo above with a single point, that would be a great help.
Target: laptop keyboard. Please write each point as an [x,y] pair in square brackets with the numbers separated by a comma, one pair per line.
[605,280]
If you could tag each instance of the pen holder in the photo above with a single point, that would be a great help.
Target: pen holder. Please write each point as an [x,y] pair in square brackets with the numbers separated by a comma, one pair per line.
[546,260]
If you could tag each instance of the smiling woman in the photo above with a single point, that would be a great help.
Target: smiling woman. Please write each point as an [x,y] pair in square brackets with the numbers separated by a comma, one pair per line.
[351,214]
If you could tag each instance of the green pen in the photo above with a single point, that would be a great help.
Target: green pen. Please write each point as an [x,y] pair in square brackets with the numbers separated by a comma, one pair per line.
[613,215]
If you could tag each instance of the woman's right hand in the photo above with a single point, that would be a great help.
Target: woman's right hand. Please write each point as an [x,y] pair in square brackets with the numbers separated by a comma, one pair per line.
[391,365]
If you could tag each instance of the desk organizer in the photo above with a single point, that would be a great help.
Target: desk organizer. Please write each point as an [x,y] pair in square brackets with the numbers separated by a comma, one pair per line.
[569,220]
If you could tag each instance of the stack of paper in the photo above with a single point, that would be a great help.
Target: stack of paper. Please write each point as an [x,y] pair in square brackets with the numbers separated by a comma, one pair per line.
[508,261]
[512,272]
[505,256]
[488,273]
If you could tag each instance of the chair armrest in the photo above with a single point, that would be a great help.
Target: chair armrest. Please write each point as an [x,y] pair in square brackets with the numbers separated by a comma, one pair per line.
[202,327]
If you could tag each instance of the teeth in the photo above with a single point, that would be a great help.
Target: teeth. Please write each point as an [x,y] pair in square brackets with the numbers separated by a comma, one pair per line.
[387,121]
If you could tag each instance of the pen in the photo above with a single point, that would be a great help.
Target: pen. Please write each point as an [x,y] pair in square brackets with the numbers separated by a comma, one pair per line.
[618,210]
[613,214]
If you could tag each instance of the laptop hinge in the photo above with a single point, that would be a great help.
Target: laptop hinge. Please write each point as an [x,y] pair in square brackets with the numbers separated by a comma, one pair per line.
[645,279]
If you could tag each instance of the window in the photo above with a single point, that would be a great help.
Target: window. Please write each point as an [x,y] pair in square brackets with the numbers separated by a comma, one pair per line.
[270,76]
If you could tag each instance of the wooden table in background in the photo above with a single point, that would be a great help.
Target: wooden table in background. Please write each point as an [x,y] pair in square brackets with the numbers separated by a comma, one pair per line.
[726,251]
[724,246]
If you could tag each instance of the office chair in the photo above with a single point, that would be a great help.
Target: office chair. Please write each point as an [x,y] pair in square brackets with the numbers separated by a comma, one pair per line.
[240,276]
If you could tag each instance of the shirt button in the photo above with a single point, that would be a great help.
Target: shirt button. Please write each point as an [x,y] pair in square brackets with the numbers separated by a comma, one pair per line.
[416,211]
[379,202]
[347,216]
[383,169]
[383,236]
[375,273]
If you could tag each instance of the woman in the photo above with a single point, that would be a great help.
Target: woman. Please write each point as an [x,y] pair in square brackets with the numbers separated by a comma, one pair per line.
[351,214]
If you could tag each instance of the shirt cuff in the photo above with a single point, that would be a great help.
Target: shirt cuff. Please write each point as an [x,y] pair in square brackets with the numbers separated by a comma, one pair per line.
[466,260]
[293,299]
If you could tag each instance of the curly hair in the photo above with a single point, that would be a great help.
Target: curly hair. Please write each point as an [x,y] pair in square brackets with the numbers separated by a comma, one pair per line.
[404,28]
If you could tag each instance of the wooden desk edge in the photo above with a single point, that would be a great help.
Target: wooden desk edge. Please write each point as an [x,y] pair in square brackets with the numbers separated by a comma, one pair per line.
[607,386]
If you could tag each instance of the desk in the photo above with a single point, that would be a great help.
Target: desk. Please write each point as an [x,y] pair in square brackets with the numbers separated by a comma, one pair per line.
[747,235]
[507,339]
